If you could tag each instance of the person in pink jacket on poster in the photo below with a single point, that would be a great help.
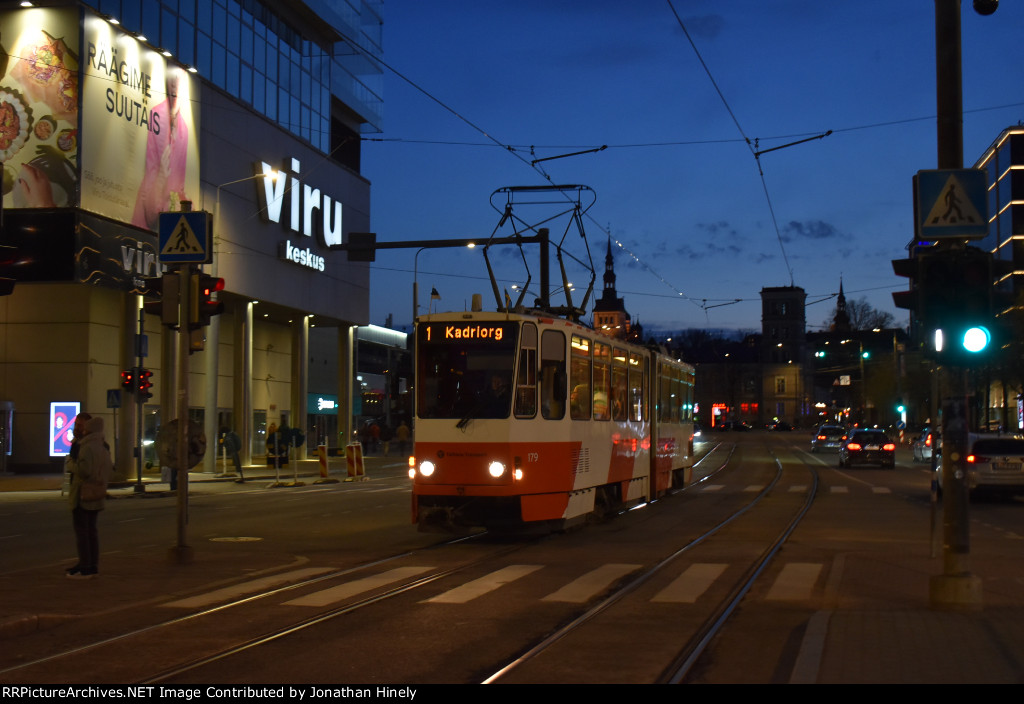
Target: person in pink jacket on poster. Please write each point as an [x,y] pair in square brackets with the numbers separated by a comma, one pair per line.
[163,184]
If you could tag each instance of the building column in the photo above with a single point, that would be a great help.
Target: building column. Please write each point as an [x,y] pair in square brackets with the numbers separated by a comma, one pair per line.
[127,441]
[242,368]
[346,379]
[300,379]
[211,360]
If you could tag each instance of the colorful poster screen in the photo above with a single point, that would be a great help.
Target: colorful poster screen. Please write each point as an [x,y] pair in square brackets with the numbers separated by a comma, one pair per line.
[62,423]
[39,75]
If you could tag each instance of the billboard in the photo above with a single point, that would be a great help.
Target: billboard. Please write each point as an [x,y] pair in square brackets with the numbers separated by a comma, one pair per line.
[140,128]
[62,425]
[39,101]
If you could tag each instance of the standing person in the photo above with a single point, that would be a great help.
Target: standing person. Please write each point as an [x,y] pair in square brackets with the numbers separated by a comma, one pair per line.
[402,438]
[273,442]
[232,444]
[91,468]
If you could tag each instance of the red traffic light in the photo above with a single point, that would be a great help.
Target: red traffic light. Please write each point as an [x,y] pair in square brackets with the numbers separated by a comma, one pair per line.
[144,384]
[128,379]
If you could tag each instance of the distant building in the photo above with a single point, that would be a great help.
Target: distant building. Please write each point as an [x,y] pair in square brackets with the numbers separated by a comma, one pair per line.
[610,313]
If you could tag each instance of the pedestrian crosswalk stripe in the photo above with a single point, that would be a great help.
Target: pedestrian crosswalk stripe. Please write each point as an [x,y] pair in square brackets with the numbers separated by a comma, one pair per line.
[359,586]
[483,585]
[582,589]
[691,584]
[713,487]
[795,582]
[798,487]
[839,490]
[251,587]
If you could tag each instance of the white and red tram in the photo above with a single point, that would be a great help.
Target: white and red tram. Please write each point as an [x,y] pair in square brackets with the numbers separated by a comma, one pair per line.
[528,420]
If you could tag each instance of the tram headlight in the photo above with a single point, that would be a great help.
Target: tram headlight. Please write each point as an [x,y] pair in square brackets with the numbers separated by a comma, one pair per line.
[496,469]
[427,468]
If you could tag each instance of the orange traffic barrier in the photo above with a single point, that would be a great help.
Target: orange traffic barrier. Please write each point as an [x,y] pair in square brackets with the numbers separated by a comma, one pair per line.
[354,460]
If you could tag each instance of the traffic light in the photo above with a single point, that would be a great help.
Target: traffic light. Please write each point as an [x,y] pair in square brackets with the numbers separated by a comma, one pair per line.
[144,385]
[202,302]
[162,294]
[961,327]
[128,380]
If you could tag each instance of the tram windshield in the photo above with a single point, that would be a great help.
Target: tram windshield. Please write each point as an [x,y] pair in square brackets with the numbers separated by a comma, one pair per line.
[464,369]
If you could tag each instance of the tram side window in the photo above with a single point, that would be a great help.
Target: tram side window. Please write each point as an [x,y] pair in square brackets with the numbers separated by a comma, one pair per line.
[552,374]
[579,378]
[602,381]
[619,385]
[664,393]
[526,378]
[637,369]
[688,396]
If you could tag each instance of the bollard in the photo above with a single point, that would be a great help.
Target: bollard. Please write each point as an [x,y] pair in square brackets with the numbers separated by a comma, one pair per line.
[354,460]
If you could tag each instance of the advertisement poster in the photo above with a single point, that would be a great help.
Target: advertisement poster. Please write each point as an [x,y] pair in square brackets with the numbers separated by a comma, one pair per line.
[140,128]
[39,73]
[62,423]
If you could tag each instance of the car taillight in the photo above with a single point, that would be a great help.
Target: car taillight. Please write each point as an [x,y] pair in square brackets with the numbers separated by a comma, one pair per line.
[928,441]
[971,459]
[822,437]
[889,447]
[853,446]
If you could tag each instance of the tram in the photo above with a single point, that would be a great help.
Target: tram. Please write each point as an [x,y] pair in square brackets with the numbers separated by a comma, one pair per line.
[527,420]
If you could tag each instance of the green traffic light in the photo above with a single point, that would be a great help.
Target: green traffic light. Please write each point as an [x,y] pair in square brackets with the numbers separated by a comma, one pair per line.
[976,339]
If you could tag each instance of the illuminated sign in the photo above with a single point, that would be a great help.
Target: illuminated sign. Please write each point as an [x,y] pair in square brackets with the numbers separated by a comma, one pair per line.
[140,128]
[283,186]
[461,332]
[39,108]
[62,423]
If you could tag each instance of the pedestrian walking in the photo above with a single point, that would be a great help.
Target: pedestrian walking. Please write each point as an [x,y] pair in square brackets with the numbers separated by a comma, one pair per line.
[232,444]
[90,467]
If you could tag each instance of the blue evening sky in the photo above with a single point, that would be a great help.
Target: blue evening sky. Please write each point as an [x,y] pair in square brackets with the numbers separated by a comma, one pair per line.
[476,90]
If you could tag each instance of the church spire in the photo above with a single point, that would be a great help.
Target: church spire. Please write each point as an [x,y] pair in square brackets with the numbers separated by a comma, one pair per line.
[842,319]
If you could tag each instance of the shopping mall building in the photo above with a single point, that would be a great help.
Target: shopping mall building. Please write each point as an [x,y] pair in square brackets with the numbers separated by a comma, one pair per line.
[115,111]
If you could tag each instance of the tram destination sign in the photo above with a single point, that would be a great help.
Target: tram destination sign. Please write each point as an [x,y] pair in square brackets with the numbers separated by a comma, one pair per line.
[466,332]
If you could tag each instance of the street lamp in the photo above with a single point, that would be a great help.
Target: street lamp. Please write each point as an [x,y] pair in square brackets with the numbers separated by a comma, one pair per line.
[415,280]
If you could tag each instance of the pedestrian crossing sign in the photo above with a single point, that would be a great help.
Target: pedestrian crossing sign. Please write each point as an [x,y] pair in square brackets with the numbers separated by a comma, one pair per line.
[951,204]
[185,238]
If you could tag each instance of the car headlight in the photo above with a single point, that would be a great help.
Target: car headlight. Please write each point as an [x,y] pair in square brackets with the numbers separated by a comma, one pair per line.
[496,469]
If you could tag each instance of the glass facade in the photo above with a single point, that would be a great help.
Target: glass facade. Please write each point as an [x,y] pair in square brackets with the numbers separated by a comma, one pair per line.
[254,50]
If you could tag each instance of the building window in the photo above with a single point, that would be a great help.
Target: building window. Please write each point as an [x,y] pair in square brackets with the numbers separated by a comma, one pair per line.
[780,384]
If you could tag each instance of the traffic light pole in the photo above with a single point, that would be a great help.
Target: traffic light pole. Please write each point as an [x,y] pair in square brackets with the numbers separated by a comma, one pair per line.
[956,587]
[182,552]
[140,488]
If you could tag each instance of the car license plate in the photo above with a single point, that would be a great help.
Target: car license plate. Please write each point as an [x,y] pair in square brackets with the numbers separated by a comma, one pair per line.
[871,447]
[1006,466]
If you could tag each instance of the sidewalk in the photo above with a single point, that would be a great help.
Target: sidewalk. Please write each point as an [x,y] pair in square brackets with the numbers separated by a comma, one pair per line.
[306,470]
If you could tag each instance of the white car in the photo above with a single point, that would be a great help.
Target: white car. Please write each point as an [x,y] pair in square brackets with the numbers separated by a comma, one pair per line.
[995,464]
[924,445]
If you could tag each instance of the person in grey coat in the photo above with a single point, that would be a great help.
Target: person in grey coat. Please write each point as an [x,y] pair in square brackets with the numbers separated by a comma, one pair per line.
[90,467]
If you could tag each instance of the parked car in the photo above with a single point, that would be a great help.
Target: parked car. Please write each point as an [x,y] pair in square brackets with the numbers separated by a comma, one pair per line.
[780,425]
[924,444]
[828,437]
[995,464]
[868,447]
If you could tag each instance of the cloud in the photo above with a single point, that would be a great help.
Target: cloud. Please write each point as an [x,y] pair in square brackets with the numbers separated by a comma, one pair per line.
[809,229]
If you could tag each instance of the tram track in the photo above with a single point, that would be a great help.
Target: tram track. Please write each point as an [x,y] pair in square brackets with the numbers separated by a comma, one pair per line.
[678,667]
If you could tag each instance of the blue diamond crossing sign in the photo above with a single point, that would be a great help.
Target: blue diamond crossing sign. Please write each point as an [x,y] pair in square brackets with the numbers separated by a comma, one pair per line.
[185,238]
[951,204]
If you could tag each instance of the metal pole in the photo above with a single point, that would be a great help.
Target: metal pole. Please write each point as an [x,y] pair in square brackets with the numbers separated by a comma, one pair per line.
[139,447]
[181,552]
[956,587]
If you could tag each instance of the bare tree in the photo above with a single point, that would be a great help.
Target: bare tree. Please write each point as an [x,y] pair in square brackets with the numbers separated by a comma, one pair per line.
[863,316]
